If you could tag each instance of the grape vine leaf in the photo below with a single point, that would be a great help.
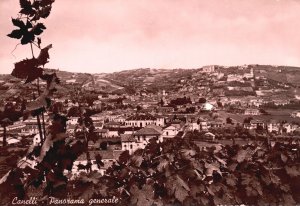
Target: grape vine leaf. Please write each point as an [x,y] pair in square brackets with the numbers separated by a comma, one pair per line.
[46,2]
[293,171]
[45,12]
[26,8]
[38,29]
[17,34]
[177,187]
[142,197]
[40,102]
[19,23]
[27,69]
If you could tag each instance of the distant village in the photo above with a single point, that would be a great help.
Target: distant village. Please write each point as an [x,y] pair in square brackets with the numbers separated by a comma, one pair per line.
[212,105]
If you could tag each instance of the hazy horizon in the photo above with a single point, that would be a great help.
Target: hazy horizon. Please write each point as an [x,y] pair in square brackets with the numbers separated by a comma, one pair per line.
[101,36]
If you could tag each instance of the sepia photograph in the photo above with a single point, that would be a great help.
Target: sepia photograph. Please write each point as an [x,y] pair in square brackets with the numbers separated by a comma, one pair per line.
[150,102]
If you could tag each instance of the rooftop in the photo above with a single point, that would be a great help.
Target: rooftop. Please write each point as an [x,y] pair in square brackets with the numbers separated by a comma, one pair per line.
[127,138]
[147,131]
[141,117]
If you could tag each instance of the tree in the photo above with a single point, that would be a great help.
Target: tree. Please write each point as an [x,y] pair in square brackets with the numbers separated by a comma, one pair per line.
[229,120]
[138,108]
[202,100]
[248,120]
[103,145]
[219,104]
[161,103]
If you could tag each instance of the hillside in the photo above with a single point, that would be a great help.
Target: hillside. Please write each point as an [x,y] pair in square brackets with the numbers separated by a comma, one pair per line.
[154,80]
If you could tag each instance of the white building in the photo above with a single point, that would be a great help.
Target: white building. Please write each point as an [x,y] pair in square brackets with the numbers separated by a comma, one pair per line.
[139,139]
[252,112]
[142,120]
[234,77]
[207,107]
[72,120]
[208,69]
[170,132]
[18,126]
[296,114]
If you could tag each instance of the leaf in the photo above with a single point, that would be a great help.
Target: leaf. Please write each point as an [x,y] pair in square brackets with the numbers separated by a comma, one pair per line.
[44,55]
[45,147]
[19,23]
[285,188]
[223,162]
[38,29]
[182,183]
[40,102]
[27,37]
[27,69]
[177,187]
[187,153]
[17,34]
[284,158]
[51,79]
[45,12]
[91,177]
[25,4]
[289,200]
[162,165]
[243,155]
[144,197]
[124,157]
[210,168]
[77,148]
[34,75]
[136,160]
[231,180]
[47,2]
[250,191]
[293,171]
[36,5]
[26,8]
[28,24]
[246,179]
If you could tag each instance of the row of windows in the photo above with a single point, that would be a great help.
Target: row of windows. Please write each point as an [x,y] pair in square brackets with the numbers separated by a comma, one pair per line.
[131,146]
[140,124]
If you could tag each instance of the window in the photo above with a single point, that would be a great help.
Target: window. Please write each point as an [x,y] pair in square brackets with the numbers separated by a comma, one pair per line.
[131,146]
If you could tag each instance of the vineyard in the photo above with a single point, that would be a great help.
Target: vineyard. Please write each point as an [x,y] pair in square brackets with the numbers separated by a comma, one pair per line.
[174,172]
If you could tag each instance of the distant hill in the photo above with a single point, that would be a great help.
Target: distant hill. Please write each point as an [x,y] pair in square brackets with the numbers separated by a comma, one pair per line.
[154,80]
[285,74]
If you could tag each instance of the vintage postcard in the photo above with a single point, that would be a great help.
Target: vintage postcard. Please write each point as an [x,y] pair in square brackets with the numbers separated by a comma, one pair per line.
[149,102]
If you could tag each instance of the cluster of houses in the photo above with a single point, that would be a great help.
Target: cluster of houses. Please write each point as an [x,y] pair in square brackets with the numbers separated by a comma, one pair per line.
[132,128]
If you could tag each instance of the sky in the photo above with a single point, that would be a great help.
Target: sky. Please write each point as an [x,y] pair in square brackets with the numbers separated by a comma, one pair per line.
[99,36]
